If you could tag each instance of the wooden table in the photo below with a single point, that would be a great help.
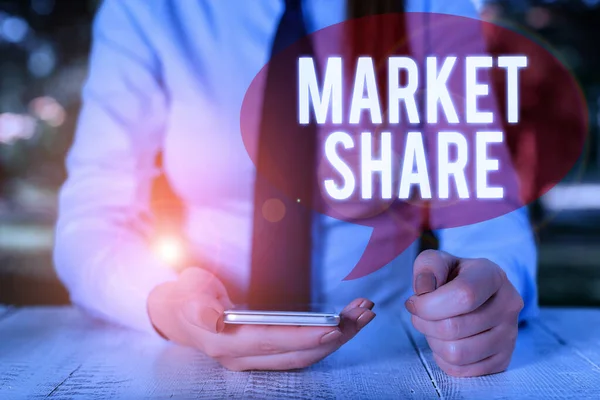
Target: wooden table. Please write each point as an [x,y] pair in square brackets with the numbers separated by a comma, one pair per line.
[60,352]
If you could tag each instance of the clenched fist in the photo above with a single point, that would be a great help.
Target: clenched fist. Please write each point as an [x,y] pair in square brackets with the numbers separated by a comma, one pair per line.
[468,311]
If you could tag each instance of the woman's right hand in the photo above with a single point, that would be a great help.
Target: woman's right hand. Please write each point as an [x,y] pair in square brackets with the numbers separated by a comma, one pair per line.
[190,310]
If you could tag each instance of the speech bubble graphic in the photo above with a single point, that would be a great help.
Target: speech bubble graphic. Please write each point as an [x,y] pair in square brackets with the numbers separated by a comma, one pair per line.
[421,120]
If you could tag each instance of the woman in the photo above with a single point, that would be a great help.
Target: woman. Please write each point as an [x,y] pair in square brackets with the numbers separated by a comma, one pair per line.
[169,77]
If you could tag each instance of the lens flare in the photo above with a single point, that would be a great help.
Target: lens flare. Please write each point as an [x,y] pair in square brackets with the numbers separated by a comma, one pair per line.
[170,250]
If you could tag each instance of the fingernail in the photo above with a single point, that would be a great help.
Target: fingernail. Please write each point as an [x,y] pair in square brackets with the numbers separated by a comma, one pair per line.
[425,283]
[364,318]
[220,325]
[331,337]
[367,304]
[356,303]
[211,318]
[410,306]
[352,305]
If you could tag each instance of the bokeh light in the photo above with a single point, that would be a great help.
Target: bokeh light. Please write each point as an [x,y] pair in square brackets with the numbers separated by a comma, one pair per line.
[41,61]
[42,7]
[48,110]
[14,29]
[16,126]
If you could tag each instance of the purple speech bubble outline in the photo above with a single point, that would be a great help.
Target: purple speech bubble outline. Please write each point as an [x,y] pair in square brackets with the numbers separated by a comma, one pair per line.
[396,224]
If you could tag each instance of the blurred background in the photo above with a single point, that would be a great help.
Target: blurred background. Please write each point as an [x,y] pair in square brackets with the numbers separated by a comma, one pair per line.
[44,46]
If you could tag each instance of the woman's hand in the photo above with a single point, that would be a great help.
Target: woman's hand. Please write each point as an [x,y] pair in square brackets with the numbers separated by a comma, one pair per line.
[468,310]
[190,312]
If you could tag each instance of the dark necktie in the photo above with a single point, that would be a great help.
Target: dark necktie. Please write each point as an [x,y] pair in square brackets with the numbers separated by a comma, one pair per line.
[286,177]
[281,244]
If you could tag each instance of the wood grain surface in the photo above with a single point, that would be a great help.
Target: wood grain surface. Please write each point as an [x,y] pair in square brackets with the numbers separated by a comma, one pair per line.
[581,333]
[541,368]
[60,352]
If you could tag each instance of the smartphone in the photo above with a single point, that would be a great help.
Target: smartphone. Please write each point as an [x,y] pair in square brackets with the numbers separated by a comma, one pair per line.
[314,315]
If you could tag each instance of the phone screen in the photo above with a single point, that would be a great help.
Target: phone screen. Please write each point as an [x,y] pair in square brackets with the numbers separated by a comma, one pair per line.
[306,315]
[289,307]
